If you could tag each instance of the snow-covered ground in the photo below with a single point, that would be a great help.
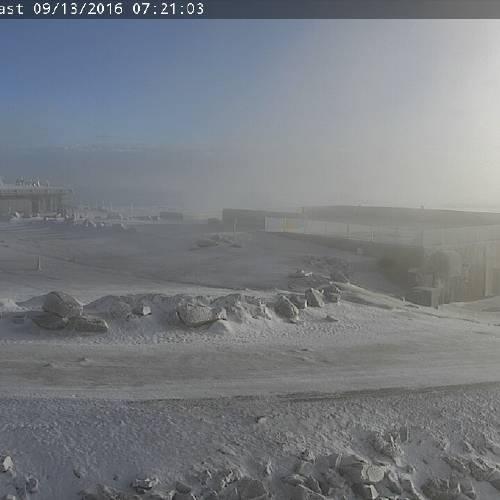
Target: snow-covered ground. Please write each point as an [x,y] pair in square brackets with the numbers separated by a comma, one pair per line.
[155,397]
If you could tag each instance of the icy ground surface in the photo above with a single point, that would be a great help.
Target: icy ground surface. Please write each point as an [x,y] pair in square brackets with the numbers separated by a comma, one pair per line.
[153,397]
[73,445]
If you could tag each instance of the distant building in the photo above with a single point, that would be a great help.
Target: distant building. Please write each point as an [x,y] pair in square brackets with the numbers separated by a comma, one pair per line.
[32,198]
[438,256]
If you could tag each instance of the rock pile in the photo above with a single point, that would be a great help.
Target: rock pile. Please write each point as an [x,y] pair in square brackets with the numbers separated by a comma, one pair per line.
[13,485]
[320,477]
[181,310]
[121,307]
[62,311]
[300,281]
[288,306]
[241,308]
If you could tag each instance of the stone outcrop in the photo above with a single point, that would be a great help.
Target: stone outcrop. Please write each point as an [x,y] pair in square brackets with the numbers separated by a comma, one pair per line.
[63,305]
[196,315]
[286,309]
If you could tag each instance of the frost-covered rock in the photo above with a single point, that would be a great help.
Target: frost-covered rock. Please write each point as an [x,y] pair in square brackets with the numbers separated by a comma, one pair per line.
[198,315]
[442,489]
[456,463]
[309,280]
[241,308]
[182,487]
[313,484]
[392,483]
[298,301]
[467,489]
[481,469]
[226,477]
[307,455]
[301,492]
[286,309]
[32,484]
[494,479]
[387,444]
[183,496]
[331,293]
[367,491]
[120,309]
[88,324]
[293,479]
[6,464]
[358,471]
[49,321]
[304,468]
[251,489]
[314,298]
[211,495]
[62,304]
[146,484]
[300,273]
[141,310]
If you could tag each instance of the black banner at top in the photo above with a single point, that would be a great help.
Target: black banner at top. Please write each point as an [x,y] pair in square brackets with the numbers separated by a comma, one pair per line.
[252,9]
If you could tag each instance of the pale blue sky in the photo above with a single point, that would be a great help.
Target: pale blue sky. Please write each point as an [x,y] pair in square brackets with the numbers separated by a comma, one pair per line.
[255,113]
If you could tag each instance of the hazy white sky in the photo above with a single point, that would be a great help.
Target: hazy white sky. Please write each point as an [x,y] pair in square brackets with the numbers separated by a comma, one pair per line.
[256,113]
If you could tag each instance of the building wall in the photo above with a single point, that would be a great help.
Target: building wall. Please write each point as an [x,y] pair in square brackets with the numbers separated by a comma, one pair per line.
[10,205]
[28,205]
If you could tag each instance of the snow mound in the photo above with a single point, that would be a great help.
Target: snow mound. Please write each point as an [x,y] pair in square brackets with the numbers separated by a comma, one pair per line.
[9,305]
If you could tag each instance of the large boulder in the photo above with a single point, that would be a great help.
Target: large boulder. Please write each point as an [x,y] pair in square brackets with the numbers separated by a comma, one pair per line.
[198,315]
[120,309]
[142,485]
[49,321]
[358,471]
[331,293]
[251,489]
[314,298]
[442,489]
[62,304]
[387,444]
[88,324]
[286,309]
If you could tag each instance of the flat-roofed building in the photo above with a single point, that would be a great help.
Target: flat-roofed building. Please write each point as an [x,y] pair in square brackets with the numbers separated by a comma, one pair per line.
[32,199]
